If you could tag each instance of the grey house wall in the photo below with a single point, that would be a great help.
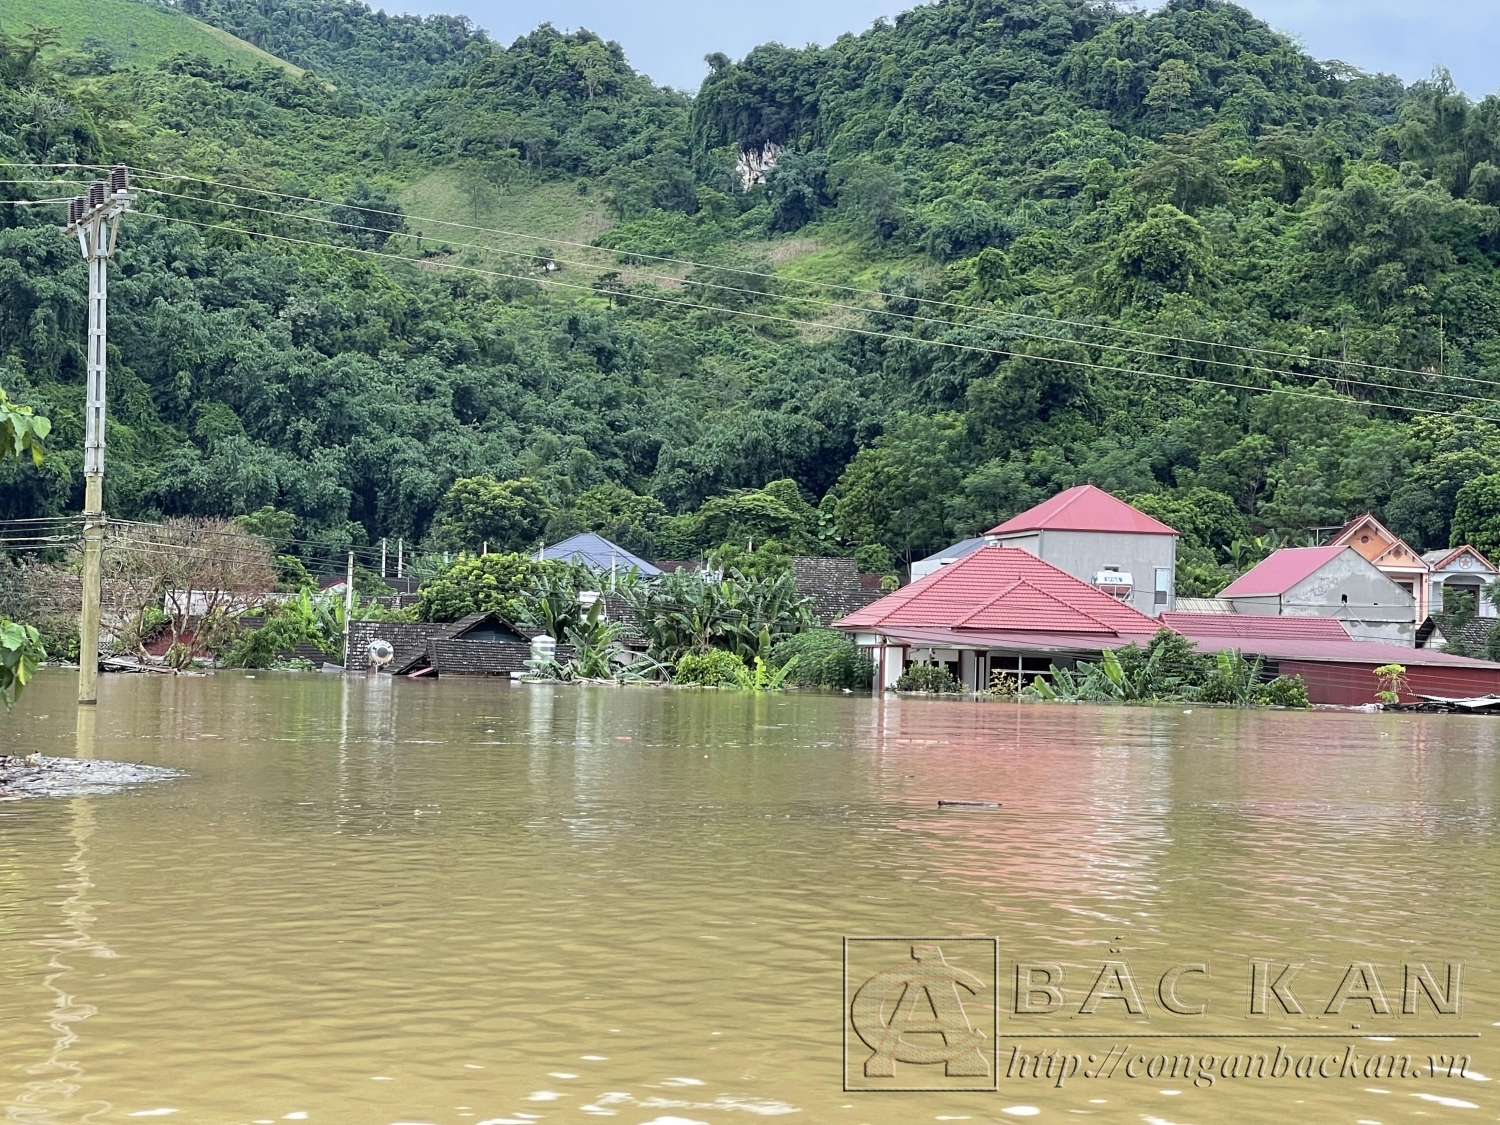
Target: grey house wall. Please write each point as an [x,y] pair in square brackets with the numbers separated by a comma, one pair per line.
[1371,605]
[1084,553]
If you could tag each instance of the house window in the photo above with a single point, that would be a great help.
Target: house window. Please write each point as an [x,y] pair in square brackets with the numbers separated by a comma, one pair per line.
[1163,584]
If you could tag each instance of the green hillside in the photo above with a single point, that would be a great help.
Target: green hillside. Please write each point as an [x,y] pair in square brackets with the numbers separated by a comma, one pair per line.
[132,32]
[999,247]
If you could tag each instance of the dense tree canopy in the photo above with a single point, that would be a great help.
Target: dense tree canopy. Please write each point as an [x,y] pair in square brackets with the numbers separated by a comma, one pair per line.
[919,280]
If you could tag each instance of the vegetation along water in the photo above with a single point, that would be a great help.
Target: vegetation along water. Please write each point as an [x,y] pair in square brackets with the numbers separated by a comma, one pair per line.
[395,296]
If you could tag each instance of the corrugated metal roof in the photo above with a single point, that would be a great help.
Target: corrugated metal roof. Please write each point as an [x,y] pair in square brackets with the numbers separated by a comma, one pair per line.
[1006,589]
[597,553]
[956,550]
[1347,651]
[1084,508]
[1245,625]
[1279,571]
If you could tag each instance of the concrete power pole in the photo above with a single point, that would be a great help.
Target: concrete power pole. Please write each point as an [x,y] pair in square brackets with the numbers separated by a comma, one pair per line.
[95,219]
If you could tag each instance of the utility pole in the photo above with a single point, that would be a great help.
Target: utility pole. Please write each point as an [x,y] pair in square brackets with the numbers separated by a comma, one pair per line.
[348,607]
[382,557]
[400,572]
[95,219]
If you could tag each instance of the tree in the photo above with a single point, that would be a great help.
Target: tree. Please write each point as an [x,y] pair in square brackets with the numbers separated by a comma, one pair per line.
[22,433]
[897,491]
[501,582]
[204,573]
[369,215]
[1167,252]
[508,515]
[1476,515]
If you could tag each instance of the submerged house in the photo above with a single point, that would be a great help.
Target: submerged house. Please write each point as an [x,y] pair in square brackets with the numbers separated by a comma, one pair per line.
[1001,609]
[1100,540]
[1334,581]
[997,609]
[1338,668]
[481,644]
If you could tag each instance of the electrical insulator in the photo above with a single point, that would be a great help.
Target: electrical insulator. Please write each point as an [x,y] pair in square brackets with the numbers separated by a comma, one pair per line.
[75,209]
[119,180]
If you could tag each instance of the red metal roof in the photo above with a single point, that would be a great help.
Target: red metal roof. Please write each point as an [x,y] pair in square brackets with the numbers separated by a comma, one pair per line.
[1248,626]
[1346,651]
[1279,571]
[1084,508]
[1002,589]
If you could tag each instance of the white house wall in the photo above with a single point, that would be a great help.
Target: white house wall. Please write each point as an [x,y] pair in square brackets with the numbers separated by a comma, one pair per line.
[1376,608]
[1084,553]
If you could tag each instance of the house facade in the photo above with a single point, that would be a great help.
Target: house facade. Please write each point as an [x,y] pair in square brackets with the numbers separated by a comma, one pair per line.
[1377,544]
[997,609]
[1102,541]
[1463,569]
[1332,581]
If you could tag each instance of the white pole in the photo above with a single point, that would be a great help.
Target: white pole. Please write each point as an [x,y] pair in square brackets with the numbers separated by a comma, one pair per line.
[382,556]
[348,607]
[95,219]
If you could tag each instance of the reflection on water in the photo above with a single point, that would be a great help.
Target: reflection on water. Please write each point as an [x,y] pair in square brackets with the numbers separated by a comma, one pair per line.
[383,901]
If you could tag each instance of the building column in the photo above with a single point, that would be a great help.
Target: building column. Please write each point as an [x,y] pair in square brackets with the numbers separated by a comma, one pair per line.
[892,662]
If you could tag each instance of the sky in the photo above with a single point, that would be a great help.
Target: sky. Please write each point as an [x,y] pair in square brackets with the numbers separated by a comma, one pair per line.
[667,39]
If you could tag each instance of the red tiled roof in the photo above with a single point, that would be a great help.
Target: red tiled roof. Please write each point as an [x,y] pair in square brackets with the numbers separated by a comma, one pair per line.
[1002,588]
[1084,508]
[1246,626]
[1279,571]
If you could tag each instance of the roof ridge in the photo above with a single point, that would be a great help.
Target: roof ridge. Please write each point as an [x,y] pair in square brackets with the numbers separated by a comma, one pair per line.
[977,610]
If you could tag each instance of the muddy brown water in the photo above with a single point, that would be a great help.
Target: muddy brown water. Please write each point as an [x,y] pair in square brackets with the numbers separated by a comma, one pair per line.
[463,902]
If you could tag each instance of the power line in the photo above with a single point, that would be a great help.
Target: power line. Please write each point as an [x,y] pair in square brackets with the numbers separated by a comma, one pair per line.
[865,332]
[861,309]
[884,294]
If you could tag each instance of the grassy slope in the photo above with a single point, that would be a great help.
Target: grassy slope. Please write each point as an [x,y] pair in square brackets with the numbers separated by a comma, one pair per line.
[134,32]
[549,210]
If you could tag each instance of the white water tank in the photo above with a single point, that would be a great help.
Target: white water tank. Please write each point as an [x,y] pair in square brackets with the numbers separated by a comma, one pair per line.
[1116,583]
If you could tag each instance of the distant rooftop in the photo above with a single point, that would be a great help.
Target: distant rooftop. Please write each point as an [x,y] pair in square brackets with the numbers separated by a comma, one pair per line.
[597,553]
[1279,571]
[1084,508]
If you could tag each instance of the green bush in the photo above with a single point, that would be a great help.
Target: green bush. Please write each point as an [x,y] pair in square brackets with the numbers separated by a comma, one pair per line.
[1284,691]
[933,678]
[711,669]
[825,658]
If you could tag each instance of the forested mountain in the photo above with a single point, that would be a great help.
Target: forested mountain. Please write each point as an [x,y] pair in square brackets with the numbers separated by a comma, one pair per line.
[929,274]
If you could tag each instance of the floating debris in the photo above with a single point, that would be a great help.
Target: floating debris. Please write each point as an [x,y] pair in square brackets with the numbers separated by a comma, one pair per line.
[37,775]
[968,804]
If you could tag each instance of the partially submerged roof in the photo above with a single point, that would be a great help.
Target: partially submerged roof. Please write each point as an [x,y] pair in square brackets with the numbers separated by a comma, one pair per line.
[1279,571]
[597,553]
[1255,625]
[1084,508]
[1005,590]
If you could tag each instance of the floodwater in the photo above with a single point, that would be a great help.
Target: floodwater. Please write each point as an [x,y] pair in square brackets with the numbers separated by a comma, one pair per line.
[461,902]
